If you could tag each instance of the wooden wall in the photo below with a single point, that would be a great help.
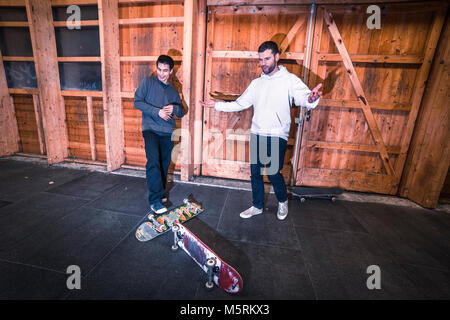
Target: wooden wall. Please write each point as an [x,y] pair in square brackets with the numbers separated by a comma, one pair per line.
[357,138]
[144,30]
[359,135]
[426,171]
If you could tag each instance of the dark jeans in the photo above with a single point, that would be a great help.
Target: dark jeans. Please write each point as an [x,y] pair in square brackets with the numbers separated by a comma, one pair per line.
[268,152]
[158,150]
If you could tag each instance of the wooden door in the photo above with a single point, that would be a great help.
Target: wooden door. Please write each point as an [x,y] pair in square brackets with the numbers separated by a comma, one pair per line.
[233,37]
[358,136]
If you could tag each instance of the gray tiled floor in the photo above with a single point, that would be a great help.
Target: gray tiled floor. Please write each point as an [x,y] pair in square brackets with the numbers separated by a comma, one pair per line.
[321,251]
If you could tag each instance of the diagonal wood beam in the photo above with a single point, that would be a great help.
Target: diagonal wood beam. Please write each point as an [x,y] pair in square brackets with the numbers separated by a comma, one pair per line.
[9,131]
[376,134]
[291,35]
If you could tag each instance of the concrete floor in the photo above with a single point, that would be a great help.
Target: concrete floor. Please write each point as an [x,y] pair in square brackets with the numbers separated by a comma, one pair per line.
[53,217]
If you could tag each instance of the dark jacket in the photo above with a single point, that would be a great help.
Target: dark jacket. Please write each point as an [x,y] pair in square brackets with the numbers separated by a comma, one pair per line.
[151,96]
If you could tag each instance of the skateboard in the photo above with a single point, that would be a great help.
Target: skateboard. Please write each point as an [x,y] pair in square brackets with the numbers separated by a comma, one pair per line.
[218,271]
[159,224]
[321,193]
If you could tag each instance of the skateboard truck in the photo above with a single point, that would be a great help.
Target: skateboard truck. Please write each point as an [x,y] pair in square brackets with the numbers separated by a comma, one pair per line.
[176,237]
[212,269]
[210,264]
[218,272]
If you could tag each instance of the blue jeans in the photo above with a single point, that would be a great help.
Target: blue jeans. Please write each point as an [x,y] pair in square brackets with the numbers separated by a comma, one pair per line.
[267,152]
[158,150]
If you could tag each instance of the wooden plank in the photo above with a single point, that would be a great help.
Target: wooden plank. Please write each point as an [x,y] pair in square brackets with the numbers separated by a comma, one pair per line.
[81,93]
[90,114]
[199,65]
[371,58]
[40,128]
[146,58]
[283,2]
[79,59]
[22,91]
[140,21]
[112,103]
[350,146]
[356,104]
[83,23]
[14,24]
[251,9]
[9,131]
[87,2]
[334,32]
[42,36]
[12,3]
[254,55]
[419,87]
[428,159]
[12,58]
[349,180]
[187,161]
[207,112]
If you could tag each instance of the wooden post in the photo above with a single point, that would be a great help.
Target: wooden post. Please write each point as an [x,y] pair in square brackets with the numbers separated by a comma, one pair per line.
[9,131]
[108,14]
[91,126]
[42,33]
[199,66]
[187,122]
[40,127]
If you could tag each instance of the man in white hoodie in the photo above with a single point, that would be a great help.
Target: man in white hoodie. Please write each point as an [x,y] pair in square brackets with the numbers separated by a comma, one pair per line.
[271,96]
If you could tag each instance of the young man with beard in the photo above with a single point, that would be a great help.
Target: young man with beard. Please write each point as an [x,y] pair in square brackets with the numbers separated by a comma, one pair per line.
[270,95]
[159,101]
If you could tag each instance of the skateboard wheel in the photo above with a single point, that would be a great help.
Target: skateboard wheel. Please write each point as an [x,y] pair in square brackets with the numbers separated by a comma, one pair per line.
[302,199]
[185,201]
[209,285]
[333,199]
[175,228]
[210,263]
[174,248]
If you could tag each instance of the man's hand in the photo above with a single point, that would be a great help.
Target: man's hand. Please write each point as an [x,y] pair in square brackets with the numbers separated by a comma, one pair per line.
[315,94]
[208,103]
[168,109]
[164,114]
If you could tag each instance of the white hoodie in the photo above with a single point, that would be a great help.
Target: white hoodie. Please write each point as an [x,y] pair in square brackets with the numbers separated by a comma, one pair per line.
[271,98]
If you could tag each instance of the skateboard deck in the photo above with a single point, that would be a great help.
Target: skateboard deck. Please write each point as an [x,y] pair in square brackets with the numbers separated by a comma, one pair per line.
[159,224]
[218,271]
[321,193]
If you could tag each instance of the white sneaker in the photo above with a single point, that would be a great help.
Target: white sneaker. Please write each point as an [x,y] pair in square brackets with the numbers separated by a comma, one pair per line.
[282,210]
[250,212]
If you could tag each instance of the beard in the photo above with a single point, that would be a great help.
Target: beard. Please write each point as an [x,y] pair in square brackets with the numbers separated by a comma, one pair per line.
[269,69]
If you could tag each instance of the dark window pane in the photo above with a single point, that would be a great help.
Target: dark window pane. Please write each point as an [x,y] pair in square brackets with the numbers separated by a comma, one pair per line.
[15,41]
[77,43]
[86,12]
[81,76]
[20,74]
[13,14]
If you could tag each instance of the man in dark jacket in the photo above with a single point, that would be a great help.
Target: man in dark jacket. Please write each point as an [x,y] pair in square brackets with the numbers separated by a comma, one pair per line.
[159,101]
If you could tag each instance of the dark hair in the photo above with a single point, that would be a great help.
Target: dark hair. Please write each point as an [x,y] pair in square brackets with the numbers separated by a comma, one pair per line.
[268,45]
[165,60]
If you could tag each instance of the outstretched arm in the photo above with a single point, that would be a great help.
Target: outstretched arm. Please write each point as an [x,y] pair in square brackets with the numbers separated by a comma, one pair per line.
[243,102]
